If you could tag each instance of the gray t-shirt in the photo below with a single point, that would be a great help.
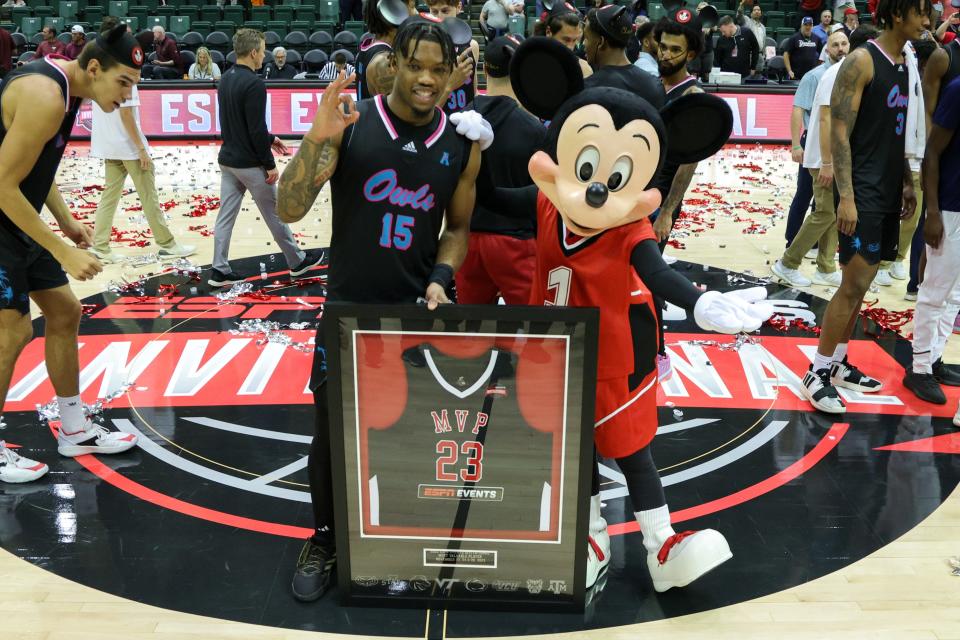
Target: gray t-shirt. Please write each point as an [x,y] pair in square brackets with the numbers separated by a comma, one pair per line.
[496,14]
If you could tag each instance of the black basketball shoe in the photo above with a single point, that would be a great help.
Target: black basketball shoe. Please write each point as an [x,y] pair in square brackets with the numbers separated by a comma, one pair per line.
[315,568]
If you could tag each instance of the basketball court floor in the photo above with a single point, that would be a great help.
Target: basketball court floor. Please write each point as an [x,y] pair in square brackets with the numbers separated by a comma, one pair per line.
[840,529]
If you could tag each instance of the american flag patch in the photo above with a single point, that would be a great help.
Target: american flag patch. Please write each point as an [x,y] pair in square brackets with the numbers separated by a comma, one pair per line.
[498,390]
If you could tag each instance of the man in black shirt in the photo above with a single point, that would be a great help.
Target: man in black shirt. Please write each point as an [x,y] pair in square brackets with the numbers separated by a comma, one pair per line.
[278,69]
[502,253]
[737,49]
[868,113]
[246,161]
[802,51]
[605,40]
[381,252]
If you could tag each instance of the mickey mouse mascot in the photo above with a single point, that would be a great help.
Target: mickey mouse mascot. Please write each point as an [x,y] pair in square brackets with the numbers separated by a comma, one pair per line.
[596,248]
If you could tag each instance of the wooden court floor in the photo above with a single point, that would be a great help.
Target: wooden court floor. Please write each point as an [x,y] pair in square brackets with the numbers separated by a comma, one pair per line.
[903,591]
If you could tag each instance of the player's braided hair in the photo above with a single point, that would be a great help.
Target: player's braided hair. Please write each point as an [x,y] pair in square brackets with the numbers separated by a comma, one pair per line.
[413,32]
[887,9]
[376,23]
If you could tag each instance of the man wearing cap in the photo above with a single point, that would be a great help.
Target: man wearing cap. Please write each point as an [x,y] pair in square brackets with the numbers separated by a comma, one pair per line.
[802,51]
[851,20]
[604,40]
[501,255]
[565,25]
[37,112]
[78,40]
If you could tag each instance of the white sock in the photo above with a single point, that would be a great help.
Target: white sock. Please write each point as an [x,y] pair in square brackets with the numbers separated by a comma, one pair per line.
[597,523]
[72,419]
[655,527]
[821,361]
[840,353]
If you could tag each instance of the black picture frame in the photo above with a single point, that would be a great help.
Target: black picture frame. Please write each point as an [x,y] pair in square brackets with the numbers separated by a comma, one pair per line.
[447,586]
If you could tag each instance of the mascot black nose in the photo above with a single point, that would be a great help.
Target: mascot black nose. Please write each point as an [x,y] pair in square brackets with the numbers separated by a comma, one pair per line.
[597,194]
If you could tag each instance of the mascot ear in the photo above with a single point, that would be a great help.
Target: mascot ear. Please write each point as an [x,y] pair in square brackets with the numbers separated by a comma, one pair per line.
[698,125]
[544,74]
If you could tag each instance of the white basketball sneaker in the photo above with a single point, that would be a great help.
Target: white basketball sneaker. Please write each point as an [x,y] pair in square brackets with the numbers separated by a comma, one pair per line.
[94,438]
[686,556]
[15,469]
[598,544]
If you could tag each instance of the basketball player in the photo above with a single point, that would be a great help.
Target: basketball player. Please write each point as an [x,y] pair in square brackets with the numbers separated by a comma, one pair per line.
[942,67]
[868,111]
[462,94]
[502,254]
[38,106]
[605,37]
[381,253]
[373,69]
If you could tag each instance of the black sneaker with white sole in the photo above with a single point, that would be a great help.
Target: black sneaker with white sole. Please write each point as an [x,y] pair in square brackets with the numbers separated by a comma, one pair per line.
[221,279]
[314,572]
[312,259]
[821,393]
[947,374]
[843,374]
[925,387]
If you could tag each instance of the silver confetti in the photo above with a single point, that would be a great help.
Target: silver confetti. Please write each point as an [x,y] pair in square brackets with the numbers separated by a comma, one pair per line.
[235,292]
[51,411]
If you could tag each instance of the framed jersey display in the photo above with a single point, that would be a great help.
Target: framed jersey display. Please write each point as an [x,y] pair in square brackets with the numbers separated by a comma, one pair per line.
[462,442]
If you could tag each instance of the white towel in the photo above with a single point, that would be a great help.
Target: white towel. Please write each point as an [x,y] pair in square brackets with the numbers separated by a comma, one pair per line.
[916,121]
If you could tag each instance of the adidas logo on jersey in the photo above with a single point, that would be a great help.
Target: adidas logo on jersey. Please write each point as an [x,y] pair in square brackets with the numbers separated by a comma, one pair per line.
[412,148]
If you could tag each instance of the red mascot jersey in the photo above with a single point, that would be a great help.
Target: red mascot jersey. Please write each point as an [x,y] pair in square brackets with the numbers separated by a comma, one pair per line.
[596,272]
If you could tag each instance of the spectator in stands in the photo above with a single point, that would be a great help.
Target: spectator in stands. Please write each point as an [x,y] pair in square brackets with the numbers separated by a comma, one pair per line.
[810,8]
[7,47]
[647,60]
[167,65]
[950,29]
[823,29]
[333,68]
[78,40]
[753,22]
[494,16]
[851,20]
[517,7]
[278,69]
[703,64]
[737,49]
[351,10]
[802,51]
[564,24]
[204,68]
[49,45]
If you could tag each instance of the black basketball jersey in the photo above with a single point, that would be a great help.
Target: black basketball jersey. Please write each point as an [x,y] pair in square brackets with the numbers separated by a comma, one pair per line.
[877,140]
[460,438]
[462,97]
[36,186]
[953,65]
[668,171]
[369,48]
[391,188]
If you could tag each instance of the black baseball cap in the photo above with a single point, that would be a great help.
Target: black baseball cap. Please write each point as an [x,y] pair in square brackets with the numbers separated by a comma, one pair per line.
[498,53]
[613,23]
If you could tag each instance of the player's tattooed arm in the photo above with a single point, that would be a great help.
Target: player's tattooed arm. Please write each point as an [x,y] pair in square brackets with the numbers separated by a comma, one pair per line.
[381,74]
[856,71]
[453,242]
[305,176]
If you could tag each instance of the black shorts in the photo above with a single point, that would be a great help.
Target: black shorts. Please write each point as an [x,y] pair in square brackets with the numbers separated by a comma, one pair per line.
[25,266]
[877,238]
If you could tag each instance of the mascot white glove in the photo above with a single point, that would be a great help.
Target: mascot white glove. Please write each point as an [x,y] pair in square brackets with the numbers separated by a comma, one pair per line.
[734,311]
[471,125]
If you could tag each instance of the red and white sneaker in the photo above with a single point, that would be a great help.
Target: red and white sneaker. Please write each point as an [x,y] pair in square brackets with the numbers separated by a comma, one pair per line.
[15,469]
[94,438]
[686,556]
[598,544]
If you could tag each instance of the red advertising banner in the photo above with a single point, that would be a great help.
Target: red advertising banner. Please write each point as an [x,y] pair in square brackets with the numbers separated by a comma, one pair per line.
[190,113]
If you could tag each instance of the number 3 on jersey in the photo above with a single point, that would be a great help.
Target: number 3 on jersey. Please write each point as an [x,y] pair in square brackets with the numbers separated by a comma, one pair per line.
[558,280]
[448,451]
[396,232]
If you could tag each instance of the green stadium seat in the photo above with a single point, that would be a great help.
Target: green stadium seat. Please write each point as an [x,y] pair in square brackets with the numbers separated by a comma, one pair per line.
[202,27]
[58,24]
[234,14]
[151,5]
[133,22]
[300,25]
[179,24]
[36,3]
[306,13]
[256,25]
[260,13]
[328,11]
[226,26]
[329,27]
[43,12]
[192,11]
[118,8]
[210,13]
[154,21]
[93,15]
[30,25]
[356,27]
[277,26]
[283,13]
[167,11]
[517,25]
[69,9]
[292,3]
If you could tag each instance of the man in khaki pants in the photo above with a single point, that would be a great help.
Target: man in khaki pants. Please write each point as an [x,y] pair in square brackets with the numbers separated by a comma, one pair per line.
[117,138]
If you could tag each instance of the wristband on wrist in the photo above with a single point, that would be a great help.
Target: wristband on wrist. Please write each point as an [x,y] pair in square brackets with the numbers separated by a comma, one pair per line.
[442,274]
[826,164]
[796,146]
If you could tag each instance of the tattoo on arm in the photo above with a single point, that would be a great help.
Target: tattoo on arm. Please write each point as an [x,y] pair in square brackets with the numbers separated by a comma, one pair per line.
[844,105]
[304,177]
[380,76]
[681,182]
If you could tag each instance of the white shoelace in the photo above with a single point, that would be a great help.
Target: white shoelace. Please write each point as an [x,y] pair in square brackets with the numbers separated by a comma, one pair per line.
[8,455]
